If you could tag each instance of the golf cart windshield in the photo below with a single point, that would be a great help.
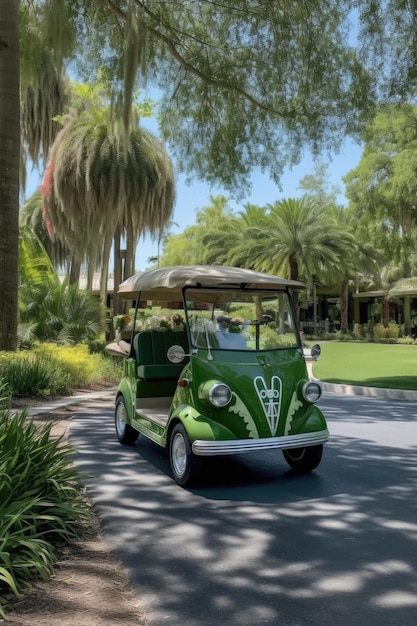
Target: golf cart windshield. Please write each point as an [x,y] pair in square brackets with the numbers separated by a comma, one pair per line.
[234,320]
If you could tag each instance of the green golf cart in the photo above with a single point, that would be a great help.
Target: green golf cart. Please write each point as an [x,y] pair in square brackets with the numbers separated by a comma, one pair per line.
[224,375]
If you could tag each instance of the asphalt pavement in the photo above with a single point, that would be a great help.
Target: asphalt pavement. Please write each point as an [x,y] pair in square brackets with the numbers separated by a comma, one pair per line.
[258,545]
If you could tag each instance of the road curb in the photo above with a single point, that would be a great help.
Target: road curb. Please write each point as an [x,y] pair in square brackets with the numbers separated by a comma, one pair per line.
[370,392]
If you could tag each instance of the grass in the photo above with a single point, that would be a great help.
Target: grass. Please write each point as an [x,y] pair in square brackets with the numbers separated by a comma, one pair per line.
[368,364]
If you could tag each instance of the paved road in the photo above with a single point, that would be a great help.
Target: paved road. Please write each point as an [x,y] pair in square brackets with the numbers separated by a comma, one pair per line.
[256,544]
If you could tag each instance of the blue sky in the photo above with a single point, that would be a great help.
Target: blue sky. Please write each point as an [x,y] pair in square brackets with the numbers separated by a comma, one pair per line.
[194,196]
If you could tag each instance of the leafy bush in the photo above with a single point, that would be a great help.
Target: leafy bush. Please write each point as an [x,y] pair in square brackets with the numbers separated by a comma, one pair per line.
[407,341]
[82,368]
[390,332]
[40,502]
[52,369]
[53,312]
[79,365]
[97,346]
[31,374]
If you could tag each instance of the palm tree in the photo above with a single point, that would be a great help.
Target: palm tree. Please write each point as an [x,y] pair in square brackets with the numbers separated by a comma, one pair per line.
[100,186]
[58,312]
[41,98]
[245,231]
[9,171]
[31,217]
[35,266]
[215,231]
[295,237]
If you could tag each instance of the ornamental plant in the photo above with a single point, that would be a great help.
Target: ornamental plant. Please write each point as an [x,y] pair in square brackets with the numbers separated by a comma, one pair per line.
[40,501]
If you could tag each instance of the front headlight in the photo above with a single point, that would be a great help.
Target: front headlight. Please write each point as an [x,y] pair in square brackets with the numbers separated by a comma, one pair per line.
[311,391]
[220,395]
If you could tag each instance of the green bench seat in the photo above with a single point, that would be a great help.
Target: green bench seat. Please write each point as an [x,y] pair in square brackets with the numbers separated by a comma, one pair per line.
[150,349]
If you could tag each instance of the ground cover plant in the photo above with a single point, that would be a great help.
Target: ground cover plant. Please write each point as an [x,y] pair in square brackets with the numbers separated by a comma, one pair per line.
[368,364]
[40,501]
[53,369]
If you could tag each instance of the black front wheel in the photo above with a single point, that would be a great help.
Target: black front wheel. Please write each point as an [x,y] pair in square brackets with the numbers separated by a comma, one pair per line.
[184,463]
[126,434]
[303,460]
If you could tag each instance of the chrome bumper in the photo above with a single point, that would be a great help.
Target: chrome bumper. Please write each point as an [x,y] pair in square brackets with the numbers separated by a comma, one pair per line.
[241,446]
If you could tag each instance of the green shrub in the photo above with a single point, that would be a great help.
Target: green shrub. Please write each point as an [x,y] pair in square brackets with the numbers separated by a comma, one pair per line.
[339,336]
[383,333]
[31,374]
[97,346]
[40,503]
[77,362]
[62,313]
[358,332]
[82,367]
[407,341]
[52,369]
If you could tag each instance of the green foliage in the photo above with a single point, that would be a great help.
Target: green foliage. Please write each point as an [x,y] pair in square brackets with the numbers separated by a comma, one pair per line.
[245,312]
[4,394]
[80,366]
[228,106]
[407,341]
[54,312]
[271,339]
[382,189]
[31,374]
[52,369]
[35,266]
[387,333]
[40,502]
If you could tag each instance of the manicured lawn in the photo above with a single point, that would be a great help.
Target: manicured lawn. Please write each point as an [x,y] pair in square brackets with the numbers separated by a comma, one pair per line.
[368,364]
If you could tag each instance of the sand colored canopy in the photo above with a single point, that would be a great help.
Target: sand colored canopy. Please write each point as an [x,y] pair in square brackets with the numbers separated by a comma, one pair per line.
[166,283]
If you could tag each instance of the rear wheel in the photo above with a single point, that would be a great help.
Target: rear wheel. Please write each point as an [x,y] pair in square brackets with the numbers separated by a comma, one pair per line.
[126,434]
[303,460]
[184,463]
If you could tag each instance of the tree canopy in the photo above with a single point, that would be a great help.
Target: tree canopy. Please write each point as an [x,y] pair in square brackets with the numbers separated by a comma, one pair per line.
[382,189]
[243,84]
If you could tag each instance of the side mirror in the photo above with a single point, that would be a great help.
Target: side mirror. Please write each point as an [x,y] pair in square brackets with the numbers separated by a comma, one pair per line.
[176,354]
[315,351]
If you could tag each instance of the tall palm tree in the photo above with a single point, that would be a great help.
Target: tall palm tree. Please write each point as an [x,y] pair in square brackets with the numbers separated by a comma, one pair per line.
[9,171]
[100,186]
[246,230]
[215,231]
[295,237]
[41,96]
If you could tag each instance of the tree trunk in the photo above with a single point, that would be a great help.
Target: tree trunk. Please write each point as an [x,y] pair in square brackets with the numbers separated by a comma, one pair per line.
[91,268]
[385,311]
[293,263]
[9,171]
[74,272]
[130,255]
[105,270]
[344,302]
[117,304]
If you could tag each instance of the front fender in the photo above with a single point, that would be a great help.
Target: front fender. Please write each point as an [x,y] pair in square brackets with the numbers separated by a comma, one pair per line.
[199,426]
[315,422]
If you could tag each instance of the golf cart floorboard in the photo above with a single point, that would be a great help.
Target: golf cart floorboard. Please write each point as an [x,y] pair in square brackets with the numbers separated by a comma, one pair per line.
[155,409]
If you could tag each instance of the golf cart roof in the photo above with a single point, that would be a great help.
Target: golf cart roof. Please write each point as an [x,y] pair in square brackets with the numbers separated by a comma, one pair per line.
[166,283]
